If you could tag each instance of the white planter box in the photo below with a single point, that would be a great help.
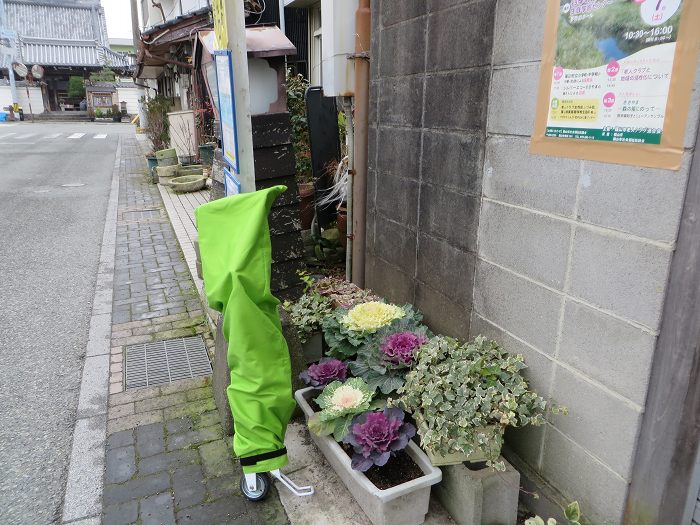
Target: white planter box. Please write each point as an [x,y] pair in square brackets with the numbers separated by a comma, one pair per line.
[405,504]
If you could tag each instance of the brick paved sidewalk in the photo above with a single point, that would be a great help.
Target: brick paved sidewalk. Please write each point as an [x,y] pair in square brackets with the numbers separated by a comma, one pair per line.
[167,461]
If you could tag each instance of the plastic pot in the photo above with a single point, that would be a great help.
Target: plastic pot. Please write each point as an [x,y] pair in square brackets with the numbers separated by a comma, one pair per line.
[206,154]
[404,504]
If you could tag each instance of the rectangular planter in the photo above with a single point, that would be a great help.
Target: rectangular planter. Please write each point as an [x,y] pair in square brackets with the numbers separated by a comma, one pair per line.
[478,454]
[405,504]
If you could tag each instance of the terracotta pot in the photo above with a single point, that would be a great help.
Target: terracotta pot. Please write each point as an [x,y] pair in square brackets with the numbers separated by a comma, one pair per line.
[306,206]
[343,222]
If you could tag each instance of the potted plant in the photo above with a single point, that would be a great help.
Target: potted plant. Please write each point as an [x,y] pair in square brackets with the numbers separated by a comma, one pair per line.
[342,293]
[387,474]
[347,330]
[157,117]
[307,314]
[463,396]
[116,115]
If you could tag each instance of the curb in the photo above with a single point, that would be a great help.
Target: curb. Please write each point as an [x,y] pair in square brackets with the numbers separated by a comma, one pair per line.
[82,503]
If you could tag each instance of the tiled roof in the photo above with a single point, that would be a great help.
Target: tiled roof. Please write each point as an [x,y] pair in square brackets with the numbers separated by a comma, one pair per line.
[62,33]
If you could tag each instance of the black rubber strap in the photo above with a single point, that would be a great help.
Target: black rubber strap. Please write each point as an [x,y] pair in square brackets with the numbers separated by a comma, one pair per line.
[252,460]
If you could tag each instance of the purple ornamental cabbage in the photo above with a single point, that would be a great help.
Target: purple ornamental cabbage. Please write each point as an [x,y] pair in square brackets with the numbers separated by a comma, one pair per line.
[376,436]
[398,348]
[326,371]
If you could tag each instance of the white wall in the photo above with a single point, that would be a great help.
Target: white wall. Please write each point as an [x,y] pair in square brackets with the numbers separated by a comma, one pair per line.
[131,96]
[34,93]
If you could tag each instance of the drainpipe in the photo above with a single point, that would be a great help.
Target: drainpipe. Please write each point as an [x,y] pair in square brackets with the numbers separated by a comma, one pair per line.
[350,135]
[359,190]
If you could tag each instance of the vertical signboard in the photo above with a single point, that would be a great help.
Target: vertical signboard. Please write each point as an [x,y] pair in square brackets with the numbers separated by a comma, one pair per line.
[227,108]
[616,80]
[232,185]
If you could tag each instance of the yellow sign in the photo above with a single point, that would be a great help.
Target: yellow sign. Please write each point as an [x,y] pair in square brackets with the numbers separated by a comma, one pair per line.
[577,110]
[218,9]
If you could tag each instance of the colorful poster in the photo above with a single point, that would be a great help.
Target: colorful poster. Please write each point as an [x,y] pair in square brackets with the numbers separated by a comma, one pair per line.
[611,69]
[227,108]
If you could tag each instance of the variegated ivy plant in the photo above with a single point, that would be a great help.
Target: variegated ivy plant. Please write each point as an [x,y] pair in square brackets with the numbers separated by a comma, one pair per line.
[462,396]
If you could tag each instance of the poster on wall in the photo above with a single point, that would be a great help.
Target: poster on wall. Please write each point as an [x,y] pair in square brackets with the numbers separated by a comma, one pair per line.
[227,108]
[616,80]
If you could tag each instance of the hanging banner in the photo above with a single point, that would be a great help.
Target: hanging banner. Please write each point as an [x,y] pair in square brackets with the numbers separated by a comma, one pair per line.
[616,80]
[227,108]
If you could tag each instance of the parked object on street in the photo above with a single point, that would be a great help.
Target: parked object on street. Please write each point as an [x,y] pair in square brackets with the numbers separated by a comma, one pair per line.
[403,504]
[188,183]
[236,269]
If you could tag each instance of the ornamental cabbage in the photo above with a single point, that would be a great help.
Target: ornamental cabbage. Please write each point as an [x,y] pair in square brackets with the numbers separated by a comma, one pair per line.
[327,370]
[398,348]
[376,436]
[339,402]
[371,316]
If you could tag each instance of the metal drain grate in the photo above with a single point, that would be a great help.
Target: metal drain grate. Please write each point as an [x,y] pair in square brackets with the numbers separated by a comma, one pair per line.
[162,362]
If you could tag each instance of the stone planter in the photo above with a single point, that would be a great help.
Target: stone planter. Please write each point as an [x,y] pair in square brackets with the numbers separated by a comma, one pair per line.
[405,504]
[313,348]
[165,173]
[194,169]
[480,453]
[166,157]
[188,183]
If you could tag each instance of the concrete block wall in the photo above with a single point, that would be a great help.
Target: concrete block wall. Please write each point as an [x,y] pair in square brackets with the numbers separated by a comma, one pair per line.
[430,81]
[572,264]
[561,260]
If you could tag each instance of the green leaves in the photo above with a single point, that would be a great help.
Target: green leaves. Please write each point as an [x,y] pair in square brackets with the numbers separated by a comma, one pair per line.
[573,513]
[308,313]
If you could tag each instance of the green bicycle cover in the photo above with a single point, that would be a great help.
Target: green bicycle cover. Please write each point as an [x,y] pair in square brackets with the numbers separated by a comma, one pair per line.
[234,245]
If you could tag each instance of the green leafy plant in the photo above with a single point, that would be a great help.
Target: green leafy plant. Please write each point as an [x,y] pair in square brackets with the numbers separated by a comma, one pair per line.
[339,403]
[347,330]
[463,396]
[384,361]
[296,104]
[572,513]
[157,129]
[343,293]
[76,87]
[103,75]
[307,313]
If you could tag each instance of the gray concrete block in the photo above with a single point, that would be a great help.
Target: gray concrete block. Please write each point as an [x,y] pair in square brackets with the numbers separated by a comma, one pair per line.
[403,49]
[512,100]
[643,201]
[157,510]
[388,281]
[461,37]
[453,160]
[120,464]
[608,350]
[467,91]
[530,244]
[449,215]
[571,469]
[93,386]
[447,269]
[437,5]
[526,442]
[391,190]
[513,175]
[624,276]
[605,425]
[399,150]
[393,12]
[401,101]
[511,42]
[480,497]
[525,309]
[395,244]
[539,366]
[442,315]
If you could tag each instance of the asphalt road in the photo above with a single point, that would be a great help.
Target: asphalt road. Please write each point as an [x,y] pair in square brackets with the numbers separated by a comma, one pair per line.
[50,239]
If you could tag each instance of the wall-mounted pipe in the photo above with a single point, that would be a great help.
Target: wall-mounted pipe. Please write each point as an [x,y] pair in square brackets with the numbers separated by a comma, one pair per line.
[359,189]
[350,137]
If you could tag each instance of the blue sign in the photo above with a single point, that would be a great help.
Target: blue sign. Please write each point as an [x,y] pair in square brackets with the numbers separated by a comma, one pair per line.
[232,186]
[227,108]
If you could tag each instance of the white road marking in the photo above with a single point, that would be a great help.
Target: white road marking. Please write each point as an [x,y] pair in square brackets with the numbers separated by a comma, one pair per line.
[6,135]
[52,136]
[76,135]
[100,136]
[26,136]
[16,143]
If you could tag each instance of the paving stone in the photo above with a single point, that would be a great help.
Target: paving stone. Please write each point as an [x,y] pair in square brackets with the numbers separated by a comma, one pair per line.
[224,486]
[219,512]
[121,513]
[134,395]
[190,409]
[120,410]
[194,437]
[150,439]
[157,510]
[133,421]
[161,402]
[167,461]
[185,323]
[185,384]
[188,486]
[207,419]
[216,459]
[200,393]
[136,488]
[120,464]
[176,426]
[120,439]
